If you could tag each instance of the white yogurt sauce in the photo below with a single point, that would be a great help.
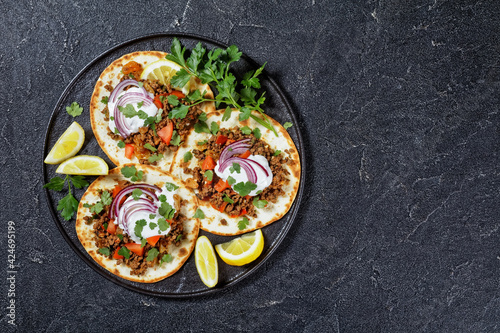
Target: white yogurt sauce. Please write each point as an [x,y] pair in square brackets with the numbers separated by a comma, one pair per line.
[147,231]
[134,123]
[263,181]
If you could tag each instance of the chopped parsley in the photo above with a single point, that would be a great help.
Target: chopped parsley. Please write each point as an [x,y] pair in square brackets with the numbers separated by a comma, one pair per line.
[152,254]
[74,109]
[243,223]
[209,175]
[132,173]
[235,168]
[199,214]
[188,156]
[121,144]
[105,251]
[166,258]
[67,205]
[230,180]
[244,188]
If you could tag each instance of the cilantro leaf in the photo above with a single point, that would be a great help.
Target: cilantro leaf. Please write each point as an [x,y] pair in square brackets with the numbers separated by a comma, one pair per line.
[176,139]
[155,158]
[55,184]
[178,238]
[106,198]
[227,114]
[152,225]
[277,152]
[227,199]
[259,203]
[128,111]
[120,236]
[180,79]
[179,112]
[202,116]
[199,214]
[74,109]
[188,156]
[78,181]
[104,251]
[162,198]
[166,258]
[209,175]
[287,125]
[201,127]
[214,128]
[166,211]
[243,223]
[171,187]
[105,99]
[143,242]
[201,143]
[244,188]
[139,226]
[163,225]
[121,144]
[246,130]
[68,206]
[230,180]
[136,194]
[97,207]
[152,216]
[128,171]
[256,133]
[235,168]
[152,254]
[123,251]
[245,113]
[173,100]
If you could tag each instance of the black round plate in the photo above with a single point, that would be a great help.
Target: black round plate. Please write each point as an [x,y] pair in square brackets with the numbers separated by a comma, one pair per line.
[186,282]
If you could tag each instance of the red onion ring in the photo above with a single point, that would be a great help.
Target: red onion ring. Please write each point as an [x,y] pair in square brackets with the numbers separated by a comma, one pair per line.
[234,148]
[149,189]
[122,85]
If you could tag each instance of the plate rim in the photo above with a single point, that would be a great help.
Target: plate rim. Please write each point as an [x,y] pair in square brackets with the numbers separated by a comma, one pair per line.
[293,211]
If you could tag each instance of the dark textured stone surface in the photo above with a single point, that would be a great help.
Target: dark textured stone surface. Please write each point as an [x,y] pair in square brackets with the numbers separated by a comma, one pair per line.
[398,105]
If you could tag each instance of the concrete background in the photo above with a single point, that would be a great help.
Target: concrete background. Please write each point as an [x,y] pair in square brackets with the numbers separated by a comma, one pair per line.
[398,102]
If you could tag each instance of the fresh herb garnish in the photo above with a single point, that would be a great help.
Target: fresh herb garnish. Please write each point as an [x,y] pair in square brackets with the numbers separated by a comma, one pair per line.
[202,116]
[150,147]
[162,198]
[119,236]
[139,226]
[123,251]
[256,133]
[188,156]
[121,144]
[201,127]
[154,158]
[244,188]
[179,112]
[230,180]
[243,223]
[201,143]
[209,175]
[277,152]
[143,242]
[163,224]
[227,199]
[213,68]
[74,109]
[246,130]
[105,99]
[132,173]
[287,125]
[259,203]
[67,205]
[235,168]
[178,238]
[167,212]
[199,214]
[171,187]
[227,114]
[136,194]
[104,250]
[176,139]
[166,258]
[173,100]
[152,225]
[152,254]
[214,128]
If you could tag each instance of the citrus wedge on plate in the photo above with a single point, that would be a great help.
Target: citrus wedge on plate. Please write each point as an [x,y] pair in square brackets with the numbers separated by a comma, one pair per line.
[242,250]
[84,165]
[163,70]
[206,262]
[70,143]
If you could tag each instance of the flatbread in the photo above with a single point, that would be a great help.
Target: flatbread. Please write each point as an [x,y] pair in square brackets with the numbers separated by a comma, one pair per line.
[265,216]
[111,76]
[180,253]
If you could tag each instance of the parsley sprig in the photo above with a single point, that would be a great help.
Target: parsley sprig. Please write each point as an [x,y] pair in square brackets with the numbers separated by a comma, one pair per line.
[67,205]
[212,68]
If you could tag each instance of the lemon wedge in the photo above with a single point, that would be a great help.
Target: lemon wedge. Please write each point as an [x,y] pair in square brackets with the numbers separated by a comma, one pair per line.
[242,250]
[163,70]
[70,143]
[206,262]
[83,165]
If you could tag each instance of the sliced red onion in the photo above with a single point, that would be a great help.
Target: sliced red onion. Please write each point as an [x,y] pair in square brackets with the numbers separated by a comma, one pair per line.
[128,98]
[149,189]
[234,148]
[248,167]
[122,85]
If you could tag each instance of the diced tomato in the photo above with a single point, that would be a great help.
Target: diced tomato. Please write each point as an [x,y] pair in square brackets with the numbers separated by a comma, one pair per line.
[243,212]
[248,197]
[245,154]
[229,141]
[112,227]
[116,190]
[157,102]
[116,255]
[166,133]
[136,248]
[221,208]
[129,150]
[221,139]
[208,163]
[153,240]
[221,185]
[177,93]
[131,67]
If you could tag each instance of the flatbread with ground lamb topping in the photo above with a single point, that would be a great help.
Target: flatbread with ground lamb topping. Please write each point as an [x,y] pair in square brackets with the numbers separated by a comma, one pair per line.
[93,229]
[226,212]
[130,66]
